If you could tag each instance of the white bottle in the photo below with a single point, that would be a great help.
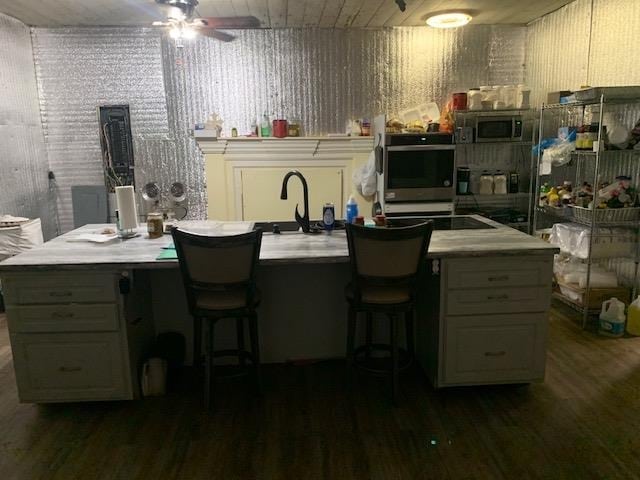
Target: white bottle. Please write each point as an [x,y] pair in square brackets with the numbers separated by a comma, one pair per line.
[351,210]
[612,318]
[500,183]
[486,183]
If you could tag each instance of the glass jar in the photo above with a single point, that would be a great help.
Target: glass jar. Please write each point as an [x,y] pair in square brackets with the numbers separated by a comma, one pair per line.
[294,128]
[155,226]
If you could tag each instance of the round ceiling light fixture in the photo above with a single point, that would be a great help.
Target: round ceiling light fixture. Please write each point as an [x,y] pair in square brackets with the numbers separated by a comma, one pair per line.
[449,20]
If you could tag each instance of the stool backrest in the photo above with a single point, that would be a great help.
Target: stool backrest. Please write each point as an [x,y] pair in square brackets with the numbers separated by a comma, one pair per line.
[217,263]
[388,256]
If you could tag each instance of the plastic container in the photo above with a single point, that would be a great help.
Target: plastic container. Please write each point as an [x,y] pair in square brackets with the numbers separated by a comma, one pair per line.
[633,318]
[351,210]
[486,183]
[474,99]
[612,318]
[499,183]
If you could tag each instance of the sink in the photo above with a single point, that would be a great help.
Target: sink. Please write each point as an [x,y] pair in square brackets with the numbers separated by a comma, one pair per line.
[267,227]
[316,226]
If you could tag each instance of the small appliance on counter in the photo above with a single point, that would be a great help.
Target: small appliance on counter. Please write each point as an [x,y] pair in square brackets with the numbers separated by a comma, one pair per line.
[417,172]
[463,178]
[499,128]
[514,182]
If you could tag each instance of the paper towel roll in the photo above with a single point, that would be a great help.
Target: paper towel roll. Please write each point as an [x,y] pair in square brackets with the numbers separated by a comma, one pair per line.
[126,202]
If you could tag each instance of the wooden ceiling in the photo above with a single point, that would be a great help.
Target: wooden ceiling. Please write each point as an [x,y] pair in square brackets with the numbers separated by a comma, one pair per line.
[278,13]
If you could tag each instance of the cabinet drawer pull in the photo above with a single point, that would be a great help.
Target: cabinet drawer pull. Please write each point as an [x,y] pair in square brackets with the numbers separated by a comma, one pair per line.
[62,315]
[501,353]
[498,297]
[70,369]
[60,294]
[499,278]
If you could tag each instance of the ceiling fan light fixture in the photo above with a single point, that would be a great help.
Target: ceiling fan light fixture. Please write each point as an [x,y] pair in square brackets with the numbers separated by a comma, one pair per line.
[189,33]
[449,20]
[175,33]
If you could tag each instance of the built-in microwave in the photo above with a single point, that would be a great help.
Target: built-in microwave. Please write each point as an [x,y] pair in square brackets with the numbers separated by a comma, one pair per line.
[499,128]
[418,167]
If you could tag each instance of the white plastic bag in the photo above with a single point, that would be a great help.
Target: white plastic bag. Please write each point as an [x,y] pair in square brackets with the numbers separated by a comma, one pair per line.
[364,177]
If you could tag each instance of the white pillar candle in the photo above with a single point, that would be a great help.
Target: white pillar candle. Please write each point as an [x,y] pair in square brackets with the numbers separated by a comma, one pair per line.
[127,211]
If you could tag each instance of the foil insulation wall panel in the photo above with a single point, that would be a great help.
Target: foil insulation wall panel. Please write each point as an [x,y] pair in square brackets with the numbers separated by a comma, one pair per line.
[322,77]
[613,49]
[24,186]
[79,69]
[587,42]
[557,50]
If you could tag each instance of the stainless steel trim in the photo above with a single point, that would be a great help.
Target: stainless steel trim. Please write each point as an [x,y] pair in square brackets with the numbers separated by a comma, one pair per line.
[420,194]
[414,148]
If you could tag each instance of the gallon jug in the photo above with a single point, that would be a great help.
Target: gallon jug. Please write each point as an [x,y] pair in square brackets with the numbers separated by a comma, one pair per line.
[154,377]
[352,210]
[633,318]
[612,318]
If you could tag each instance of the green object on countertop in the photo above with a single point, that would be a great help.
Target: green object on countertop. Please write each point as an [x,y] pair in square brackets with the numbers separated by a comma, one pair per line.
[171,246]
[168,254]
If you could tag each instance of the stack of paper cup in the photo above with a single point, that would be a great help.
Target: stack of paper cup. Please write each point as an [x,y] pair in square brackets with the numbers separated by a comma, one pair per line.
[127,211]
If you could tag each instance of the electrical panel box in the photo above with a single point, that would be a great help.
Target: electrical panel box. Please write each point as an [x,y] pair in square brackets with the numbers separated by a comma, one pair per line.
[117,145]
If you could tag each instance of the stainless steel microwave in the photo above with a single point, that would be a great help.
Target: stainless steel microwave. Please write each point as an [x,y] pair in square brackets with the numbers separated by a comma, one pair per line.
[418,168]
[499,128]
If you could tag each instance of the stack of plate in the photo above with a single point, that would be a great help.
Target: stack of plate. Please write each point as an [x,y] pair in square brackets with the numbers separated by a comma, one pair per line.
[11,221]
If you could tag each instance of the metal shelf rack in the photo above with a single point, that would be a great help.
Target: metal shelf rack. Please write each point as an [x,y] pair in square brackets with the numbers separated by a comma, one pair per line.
[583,165]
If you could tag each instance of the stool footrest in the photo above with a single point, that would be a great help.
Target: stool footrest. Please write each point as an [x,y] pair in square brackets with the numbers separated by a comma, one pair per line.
[360,360]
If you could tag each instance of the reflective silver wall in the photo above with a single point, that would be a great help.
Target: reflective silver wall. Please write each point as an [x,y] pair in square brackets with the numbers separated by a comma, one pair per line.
[588,42]
[321,76]
[24,187]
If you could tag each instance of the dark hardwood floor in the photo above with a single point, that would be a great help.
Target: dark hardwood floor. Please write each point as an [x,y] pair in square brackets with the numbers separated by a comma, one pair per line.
[583,422]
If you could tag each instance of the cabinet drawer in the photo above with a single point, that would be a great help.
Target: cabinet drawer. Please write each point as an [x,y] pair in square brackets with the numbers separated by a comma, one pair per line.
[57,288]
[53,367]
[503,300]
[63,318]
[496,348]
[499,272]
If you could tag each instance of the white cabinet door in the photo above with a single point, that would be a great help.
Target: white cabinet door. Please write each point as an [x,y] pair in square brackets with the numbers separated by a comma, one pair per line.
[494,348]
[56,367]
[261,189]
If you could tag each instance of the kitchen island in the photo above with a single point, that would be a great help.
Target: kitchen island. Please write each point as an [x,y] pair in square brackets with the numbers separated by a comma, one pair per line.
[81,316]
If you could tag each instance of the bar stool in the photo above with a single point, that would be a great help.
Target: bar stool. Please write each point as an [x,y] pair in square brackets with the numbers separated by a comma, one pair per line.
[219,280]
[386,264]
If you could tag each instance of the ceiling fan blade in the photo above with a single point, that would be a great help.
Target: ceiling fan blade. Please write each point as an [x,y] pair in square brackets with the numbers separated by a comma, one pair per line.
[218,35]
[230,22]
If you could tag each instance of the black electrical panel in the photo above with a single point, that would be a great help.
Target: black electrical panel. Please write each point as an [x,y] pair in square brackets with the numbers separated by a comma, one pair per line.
[117,145]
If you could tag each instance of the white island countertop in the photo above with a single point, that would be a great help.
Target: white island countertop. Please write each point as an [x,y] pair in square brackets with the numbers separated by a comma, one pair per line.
[286,248]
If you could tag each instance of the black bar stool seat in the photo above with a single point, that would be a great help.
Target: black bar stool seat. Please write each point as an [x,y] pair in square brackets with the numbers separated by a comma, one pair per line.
[386,264]
[219,279]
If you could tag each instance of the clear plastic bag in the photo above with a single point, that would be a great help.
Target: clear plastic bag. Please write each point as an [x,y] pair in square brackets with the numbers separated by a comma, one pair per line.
[364,177]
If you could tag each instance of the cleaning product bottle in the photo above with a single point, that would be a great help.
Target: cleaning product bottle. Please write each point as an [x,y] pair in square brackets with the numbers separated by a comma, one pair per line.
[633,318]
[352,209]
[612,318]
[265,126]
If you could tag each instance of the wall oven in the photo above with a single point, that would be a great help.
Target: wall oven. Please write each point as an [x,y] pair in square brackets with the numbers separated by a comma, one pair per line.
[418,168]
[499,128]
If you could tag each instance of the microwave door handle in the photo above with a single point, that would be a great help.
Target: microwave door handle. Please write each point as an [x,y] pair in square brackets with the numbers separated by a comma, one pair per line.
[418,148]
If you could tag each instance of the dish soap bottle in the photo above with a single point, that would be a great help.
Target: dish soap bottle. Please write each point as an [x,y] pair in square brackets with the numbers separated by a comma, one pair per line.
[352,210]
[633,318]
[265,126]
[612,318]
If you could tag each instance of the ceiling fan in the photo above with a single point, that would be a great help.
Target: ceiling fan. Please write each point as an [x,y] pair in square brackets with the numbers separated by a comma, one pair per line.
[183,24]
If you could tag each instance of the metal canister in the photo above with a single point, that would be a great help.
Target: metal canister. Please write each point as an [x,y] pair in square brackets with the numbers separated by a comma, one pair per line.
[329,216]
